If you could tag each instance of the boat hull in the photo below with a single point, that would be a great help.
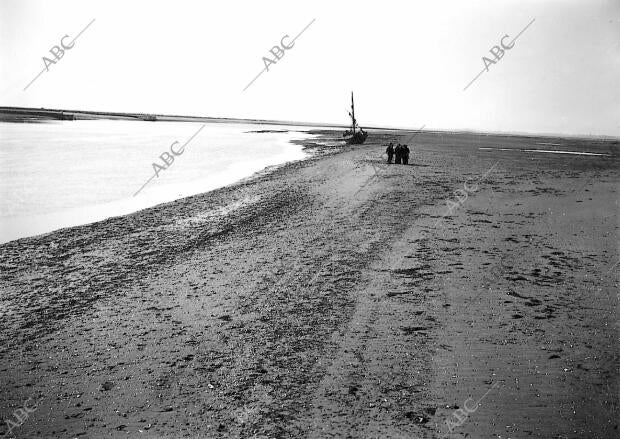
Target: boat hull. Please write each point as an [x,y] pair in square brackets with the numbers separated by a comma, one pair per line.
[356,139]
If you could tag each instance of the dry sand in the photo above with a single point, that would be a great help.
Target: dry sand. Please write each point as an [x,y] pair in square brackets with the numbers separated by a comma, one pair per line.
[295,304]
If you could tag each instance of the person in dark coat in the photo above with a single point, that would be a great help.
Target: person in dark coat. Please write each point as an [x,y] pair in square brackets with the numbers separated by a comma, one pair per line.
[390,152]
[398,153]
[405,153]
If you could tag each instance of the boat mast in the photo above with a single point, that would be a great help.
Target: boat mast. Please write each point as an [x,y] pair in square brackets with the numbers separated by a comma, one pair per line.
[353,113]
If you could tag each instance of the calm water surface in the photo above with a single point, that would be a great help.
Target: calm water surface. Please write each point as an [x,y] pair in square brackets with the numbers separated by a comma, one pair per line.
[60,174]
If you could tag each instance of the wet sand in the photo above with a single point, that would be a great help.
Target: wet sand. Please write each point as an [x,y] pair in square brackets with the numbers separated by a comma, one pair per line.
[335,297]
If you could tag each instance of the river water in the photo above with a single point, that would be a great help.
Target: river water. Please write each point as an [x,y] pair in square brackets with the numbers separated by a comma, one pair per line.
[65,173]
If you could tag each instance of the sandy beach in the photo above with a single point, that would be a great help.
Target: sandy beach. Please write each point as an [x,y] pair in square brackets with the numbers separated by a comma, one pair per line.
[473,293]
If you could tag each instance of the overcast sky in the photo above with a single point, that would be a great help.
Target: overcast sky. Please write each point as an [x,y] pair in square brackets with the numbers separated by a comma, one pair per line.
[407,62]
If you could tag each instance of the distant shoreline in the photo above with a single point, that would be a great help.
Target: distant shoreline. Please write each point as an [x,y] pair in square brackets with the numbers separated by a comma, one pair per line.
[26,115]
[21,114]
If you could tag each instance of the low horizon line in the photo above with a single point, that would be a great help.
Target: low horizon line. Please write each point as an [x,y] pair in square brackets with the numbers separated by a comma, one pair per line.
[311,124]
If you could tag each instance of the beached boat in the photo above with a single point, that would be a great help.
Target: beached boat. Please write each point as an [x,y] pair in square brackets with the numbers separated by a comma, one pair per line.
[353,136]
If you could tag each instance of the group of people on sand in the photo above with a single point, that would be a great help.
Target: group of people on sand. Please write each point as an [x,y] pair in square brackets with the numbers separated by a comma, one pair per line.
[401,152]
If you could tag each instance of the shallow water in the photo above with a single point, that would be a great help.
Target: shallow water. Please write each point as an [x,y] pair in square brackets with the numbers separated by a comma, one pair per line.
[547,151]
[65,173]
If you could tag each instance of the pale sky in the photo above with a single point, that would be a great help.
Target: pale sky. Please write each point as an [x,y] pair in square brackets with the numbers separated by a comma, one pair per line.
[407,62]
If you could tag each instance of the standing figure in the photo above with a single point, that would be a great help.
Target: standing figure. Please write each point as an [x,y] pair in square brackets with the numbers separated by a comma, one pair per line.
[390,152]
[398,152]
[405,152]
